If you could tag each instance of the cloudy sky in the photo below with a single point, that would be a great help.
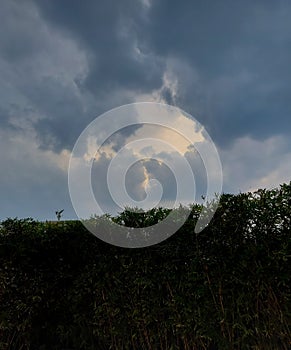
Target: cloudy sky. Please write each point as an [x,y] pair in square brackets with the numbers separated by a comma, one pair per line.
[63,63]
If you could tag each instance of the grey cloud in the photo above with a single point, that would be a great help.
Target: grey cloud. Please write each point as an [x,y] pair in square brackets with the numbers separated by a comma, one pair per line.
[62,65]
[50,78]
[218,42]
[249,164]
[162,173]
[200,174]
[100,187]
[19,37]
[107,32]
[62,113]
[135,181]
[119,139]
[37,81]
[31,184]
[128,48]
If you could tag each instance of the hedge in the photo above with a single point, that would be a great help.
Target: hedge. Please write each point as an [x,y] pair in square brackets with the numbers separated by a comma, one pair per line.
[227,287]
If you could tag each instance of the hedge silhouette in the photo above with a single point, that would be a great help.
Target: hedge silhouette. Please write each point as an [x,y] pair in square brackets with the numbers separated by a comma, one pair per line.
[227,287]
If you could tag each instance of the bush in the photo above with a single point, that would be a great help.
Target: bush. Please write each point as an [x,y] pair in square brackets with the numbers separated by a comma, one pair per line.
[227,287]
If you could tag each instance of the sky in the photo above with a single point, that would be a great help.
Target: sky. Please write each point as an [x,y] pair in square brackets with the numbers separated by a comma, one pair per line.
[64,63]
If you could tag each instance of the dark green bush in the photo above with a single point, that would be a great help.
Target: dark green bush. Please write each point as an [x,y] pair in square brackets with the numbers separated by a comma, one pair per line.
[227,287]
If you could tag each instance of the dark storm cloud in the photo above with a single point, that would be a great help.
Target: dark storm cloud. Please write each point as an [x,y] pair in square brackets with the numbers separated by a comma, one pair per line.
[63,63]
[35,92]
[19,38]
[238,54]
[4,117]
[41,42]
[106,30]
[231,60]
[62,111]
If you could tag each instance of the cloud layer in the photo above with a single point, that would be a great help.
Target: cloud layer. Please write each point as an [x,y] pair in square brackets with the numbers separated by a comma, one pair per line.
[226,63]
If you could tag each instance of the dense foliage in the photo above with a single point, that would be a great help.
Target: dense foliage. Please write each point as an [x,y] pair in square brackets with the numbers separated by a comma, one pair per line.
[227,287]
